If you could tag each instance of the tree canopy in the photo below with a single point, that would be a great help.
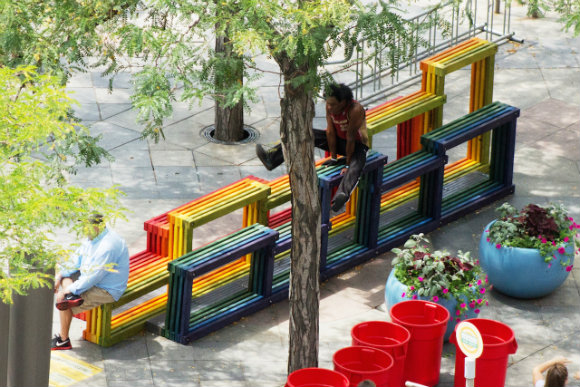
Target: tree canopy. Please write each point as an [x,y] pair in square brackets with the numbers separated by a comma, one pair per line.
[39,145]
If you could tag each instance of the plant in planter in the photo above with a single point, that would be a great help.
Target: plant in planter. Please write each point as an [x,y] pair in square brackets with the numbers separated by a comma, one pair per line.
[529,253]
[456,282]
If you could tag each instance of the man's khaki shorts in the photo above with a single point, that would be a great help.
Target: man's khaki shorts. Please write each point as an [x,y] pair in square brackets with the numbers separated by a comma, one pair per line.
[93,297]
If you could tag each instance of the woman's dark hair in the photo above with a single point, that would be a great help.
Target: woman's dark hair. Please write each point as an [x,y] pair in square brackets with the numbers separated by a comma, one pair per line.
[556,376]
[341,92]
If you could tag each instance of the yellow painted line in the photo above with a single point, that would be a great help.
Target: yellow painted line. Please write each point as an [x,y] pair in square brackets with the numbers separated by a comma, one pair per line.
[66,370]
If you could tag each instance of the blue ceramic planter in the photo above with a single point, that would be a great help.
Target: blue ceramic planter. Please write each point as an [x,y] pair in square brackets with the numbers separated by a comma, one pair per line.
[519,272]
[394,290]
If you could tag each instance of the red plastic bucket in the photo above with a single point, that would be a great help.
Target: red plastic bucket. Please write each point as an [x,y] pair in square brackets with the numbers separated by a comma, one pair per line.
[427,323]
[359,363]
[316,377]
[491,367]
[386,336]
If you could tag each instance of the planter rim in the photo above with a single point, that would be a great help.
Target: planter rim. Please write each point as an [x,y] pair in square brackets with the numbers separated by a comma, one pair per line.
[519,248]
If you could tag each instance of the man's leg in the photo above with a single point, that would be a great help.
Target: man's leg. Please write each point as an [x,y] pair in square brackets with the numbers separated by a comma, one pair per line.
[351,177]
[66,316]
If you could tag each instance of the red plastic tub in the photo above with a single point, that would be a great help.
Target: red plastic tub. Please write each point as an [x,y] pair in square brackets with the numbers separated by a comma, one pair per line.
[358,363]
[386,336]
[316,377]
[491,367]
[427,323]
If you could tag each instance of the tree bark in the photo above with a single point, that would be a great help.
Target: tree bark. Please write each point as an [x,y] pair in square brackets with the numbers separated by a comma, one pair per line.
[297,109]
[229,121]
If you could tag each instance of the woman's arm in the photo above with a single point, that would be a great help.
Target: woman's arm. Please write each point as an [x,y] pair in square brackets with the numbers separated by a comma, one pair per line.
[541,368]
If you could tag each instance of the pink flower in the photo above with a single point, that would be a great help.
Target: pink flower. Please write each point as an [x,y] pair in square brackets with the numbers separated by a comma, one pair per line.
[486,279]
[544,240]
[554,256]
[472,304]
[476,311]
[566,239]
[457,312]
[569,268]
[549,265]
[412,287]
[572,227]
[482,290]
[403,295]
[553,243]
[479,282]
[445,291]
[479,300]
[420,279]
[561,250]
[487,230]
[463,305]
[498,246]
[435,298]
[457,319]
[486,303]
[488,239]
[414,296]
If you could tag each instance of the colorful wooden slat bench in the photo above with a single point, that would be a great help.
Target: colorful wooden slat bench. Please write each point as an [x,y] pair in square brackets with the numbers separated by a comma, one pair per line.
[496,118]
[247,192]
[196,308]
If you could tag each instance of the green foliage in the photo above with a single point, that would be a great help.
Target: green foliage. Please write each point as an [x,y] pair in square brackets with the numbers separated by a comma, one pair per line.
[547,228]
[39,146]
[569,11]
[436,275]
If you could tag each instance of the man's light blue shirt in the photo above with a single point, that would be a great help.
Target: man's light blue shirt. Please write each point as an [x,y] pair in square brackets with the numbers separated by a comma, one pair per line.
[103,262]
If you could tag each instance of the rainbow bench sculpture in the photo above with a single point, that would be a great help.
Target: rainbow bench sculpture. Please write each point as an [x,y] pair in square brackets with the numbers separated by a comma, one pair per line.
[183,293]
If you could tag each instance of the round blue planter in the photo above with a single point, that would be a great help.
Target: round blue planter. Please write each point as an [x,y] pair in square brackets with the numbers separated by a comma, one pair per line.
[519,272]
[393,295]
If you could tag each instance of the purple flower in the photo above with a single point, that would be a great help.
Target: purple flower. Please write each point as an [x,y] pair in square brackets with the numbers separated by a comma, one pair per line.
[435,298]
[561,250]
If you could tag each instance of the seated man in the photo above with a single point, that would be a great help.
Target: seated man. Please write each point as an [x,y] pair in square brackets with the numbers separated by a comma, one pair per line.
[95,275]
[345,134]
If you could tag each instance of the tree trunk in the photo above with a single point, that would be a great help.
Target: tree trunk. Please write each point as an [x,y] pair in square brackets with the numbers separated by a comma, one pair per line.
[298,144]
[4,333]
[229,121]
[497,6]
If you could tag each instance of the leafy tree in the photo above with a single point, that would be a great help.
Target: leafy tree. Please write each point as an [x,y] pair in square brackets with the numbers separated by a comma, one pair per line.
[170,37]
[39,145]
[170,43]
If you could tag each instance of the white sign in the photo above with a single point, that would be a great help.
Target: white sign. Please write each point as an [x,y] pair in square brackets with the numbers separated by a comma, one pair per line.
[469,339]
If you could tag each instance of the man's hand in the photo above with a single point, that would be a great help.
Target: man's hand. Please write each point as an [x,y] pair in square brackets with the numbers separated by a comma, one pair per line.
[343,170]
[60,295]
[332,162]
